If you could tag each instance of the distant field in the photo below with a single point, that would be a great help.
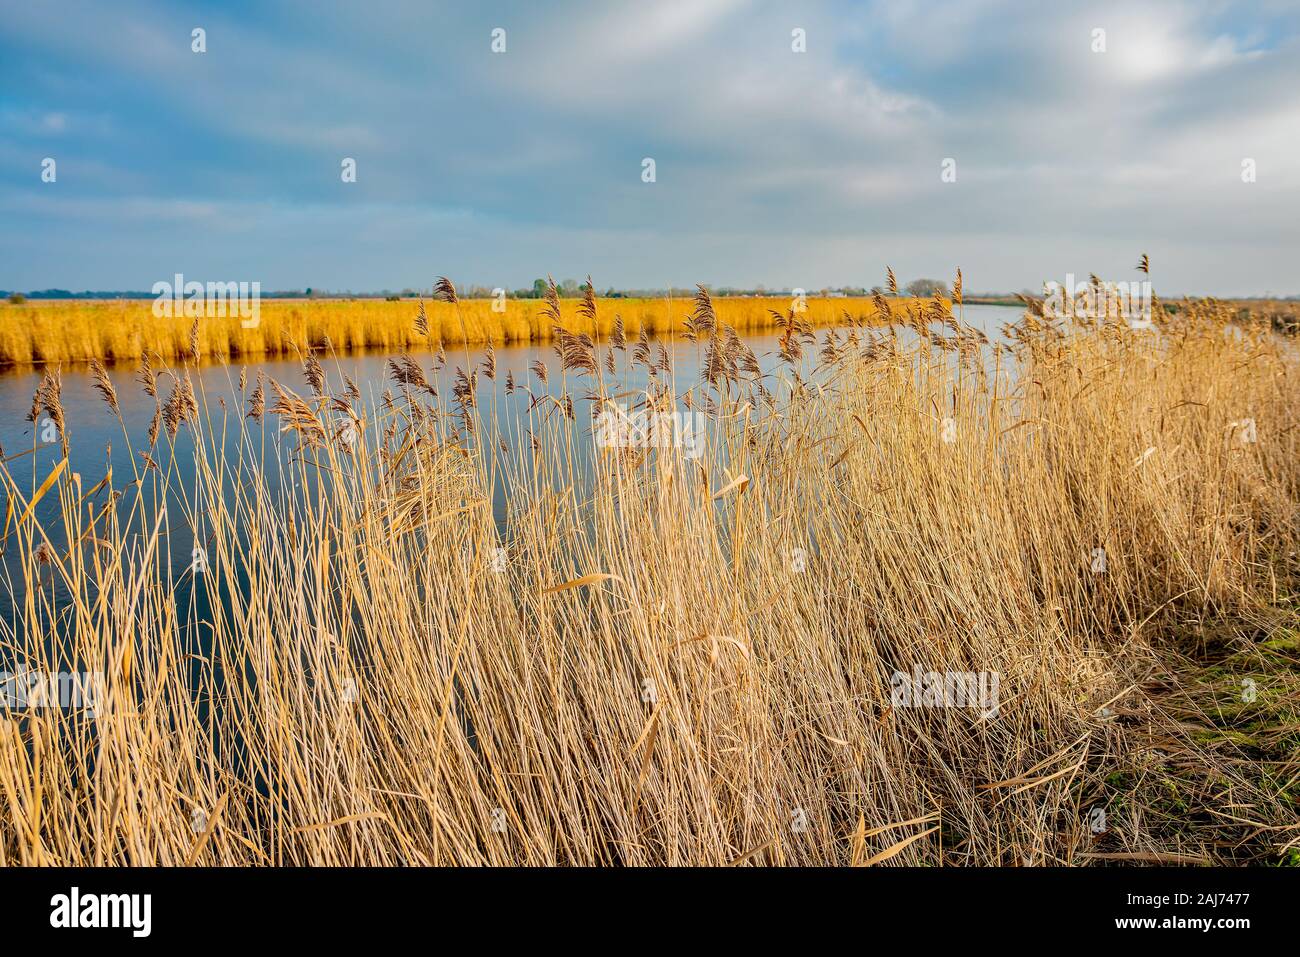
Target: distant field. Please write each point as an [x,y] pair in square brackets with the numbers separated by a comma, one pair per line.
[79,330]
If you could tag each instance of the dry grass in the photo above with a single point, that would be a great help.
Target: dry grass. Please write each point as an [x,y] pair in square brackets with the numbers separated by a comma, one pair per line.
[674,661]
[79,330]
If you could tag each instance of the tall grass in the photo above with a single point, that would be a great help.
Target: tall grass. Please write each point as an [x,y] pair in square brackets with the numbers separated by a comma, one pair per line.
[674,660]
[52,331]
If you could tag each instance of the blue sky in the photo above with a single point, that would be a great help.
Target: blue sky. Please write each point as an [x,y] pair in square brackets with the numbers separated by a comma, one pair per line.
[774,167]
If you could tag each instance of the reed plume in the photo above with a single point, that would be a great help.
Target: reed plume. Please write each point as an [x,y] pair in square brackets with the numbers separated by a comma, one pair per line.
[103,385]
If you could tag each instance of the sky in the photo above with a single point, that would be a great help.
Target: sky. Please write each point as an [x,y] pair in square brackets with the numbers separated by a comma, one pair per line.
[771,166]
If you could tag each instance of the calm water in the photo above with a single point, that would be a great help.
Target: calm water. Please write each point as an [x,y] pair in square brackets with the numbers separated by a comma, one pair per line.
[97,438]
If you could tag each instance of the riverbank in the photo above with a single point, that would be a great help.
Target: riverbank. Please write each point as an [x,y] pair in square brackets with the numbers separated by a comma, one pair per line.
[71,331]
[898,610]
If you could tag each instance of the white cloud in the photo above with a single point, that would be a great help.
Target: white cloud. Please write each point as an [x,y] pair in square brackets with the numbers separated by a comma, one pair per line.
[773,166]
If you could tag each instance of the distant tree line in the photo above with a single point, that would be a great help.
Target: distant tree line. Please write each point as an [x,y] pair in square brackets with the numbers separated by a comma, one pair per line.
[570,289]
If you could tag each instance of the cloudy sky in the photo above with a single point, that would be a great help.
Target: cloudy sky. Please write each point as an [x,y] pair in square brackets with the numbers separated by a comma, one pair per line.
[774,167]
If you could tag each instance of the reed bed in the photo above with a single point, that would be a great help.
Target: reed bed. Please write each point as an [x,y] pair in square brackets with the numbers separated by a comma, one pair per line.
[663,660]
[68,331]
